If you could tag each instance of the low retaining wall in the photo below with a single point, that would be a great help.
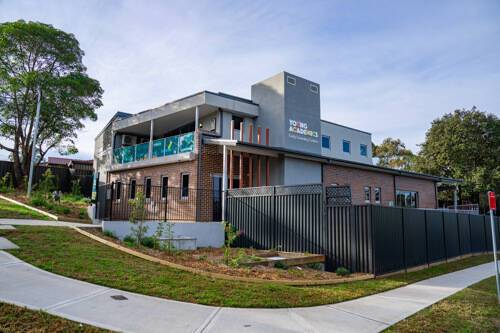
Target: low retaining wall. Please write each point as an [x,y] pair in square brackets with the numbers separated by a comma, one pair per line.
[207,234]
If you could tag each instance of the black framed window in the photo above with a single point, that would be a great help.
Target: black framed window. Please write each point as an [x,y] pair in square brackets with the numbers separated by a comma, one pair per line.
[118,191]
[367,194]
[378,195]
[132,188]
[164,187]
[184,185]
[408,199]
[147,187]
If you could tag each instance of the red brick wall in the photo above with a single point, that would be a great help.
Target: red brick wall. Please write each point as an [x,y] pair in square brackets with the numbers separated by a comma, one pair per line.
[358,179]
[425,188]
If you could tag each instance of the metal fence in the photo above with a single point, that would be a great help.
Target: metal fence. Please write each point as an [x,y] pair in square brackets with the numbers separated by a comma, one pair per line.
[363,238]
[160,203]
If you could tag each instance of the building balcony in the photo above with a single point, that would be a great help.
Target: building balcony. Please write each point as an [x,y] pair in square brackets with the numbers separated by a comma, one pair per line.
[164,147]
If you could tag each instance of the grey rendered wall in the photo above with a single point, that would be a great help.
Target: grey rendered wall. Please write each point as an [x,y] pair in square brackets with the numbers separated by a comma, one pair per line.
[298,172]
[339,133]
[206,233]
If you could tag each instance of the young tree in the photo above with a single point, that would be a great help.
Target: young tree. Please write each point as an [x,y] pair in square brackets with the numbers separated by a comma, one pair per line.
[392,153]
[464,144]
[35,54]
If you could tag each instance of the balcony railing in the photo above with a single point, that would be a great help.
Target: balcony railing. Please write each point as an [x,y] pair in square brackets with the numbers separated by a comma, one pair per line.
[171,145]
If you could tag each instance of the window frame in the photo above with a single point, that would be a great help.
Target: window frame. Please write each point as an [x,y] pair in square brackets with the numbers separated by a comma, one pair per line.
[163,195]
[367,190]
[378,191]
[184,197]
[348,144]
[323,136]
[361,146]
[146,179]
[407,198]
[133,189]
[315,90]
[291,80]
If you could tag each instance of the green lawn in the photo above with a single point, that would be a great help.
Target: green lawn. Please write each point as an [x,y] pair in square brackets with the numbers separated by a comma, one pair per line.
[12,211]
[474,309]
[66,252]
[17,319]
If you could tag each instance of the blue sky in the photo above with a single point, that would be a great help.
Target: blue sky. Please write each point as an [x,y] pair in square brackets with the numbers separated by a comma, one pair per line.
[386,67]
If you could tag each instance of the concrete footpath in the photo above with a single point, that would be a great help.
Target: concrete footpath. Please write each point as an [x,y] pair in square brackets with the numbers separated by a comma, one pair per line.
[26,285]
[48,223]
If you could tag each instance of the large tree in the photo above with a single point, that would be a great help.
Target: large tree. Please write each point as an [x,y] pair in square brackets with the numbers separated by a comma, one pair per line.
[35,55]
[392,153]
[464,144]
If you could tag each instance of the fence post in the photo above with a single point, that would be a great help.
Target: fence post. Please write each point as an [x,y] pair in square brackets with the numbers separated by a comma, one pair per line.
[404,236]
[166,205]
[426,239]
[275,227]
[111,201]
[444,238]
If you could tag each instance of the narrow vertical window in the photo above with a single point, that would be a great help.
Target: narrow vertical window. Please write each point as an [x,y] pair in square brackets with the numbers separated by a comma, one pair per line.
[185,186]
[118,193]
[164,187]
[132,188]
[378,195]
[147,187]
[367,192]
[346,146]
[325,141]
[363,150]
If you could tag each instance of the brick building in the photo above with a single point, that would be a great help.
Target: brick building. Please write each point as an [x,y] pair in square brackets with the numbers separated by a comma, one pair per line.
[275,138]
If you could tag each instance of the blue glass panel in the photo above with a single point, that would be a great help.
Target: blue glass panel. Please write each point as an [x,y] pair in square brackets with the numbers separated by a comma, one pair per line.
[141,151]
[325,141]
[186,142]
[159,148]
[118,156]
[128,154]
[346,146]
[171,145]
[363,150]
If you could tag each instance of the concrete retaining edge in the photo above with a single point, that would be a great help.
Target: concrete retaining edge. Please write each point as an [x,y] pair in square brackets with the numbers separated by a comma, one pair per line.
[52,216]
[219,275]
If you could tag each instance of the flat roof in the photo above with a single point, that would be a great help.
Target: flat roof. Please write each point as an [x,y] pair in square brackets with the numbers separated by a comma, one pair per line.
[352,164]
[351,128]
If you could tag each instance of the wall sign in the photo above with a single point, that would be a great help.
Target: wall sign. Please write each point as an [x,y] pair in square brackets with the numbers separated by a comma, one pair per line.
[300,130]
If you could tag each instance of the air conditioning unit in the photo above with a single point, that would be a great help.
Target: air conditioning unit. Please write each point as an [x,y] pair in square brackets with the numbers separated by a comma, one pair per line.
[128,140]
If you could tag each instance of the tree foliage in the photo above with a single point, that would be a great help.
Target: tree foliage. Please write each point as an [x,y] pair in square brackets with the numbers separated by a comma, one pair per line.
[464,144]
[35,54]
[392,153]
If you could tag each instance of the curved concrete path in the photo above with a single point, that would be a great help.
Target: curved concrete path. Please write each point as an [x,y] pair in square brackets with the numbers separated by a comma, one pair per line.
[49,223]
[26,285]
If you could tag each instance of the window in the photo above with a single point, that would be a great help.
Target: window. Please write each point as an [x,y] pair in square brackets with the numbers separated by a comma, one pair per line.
[346,146]
[164,187]
[325,141]
[147,187]
[367,191]
[291,80]
[132,188]
[118,194]
[184,185]
[408,199]
[237,122]
[313,88]
[378,195]
[363,150]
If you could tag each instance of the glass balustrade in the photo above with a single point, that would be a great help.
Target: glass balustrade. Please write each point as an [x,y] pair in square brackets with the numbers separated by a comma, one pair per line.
[171,145]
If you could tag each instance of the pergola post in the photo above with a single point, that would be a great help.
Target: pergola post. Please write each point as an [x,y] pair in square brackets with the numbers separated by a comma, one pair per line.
[231,171]
[267,159]
[224,181]
[242,178]
[250,157]
[151,136]
[259,166]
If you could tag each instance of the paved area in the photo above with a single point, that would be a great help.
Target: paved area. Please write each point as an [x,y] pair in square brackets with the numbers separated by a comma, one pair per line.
[7,227]
[6,244]
[47,223]
[26,285]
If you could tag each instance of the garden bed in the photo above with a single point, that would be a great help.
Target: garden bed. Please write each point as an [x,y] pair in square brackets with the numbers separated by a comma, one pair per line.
[70,208]
[243,263]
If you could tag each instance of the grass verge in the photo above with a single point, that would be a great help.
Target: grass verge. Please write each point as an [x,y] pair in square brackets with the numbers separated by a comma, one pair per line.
[474,309]
[18,319]
[66,252]
[10,210]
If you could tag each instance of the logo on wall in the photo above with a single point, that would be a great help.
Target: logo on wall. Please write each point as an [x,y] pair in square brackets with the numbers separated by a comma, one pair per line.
[300,131]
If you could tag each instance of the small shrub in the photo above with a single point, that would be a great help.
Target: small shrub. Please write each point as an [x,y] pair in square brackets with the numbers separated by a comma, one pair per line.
[129,240]
[342,271]
[148,242]
[137,216]
[82,213]
[38,201]
[202,257]
[47,183]
[76,189]
[280,265]
[315,265]
[6,183]
[110,234]
[230,236]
